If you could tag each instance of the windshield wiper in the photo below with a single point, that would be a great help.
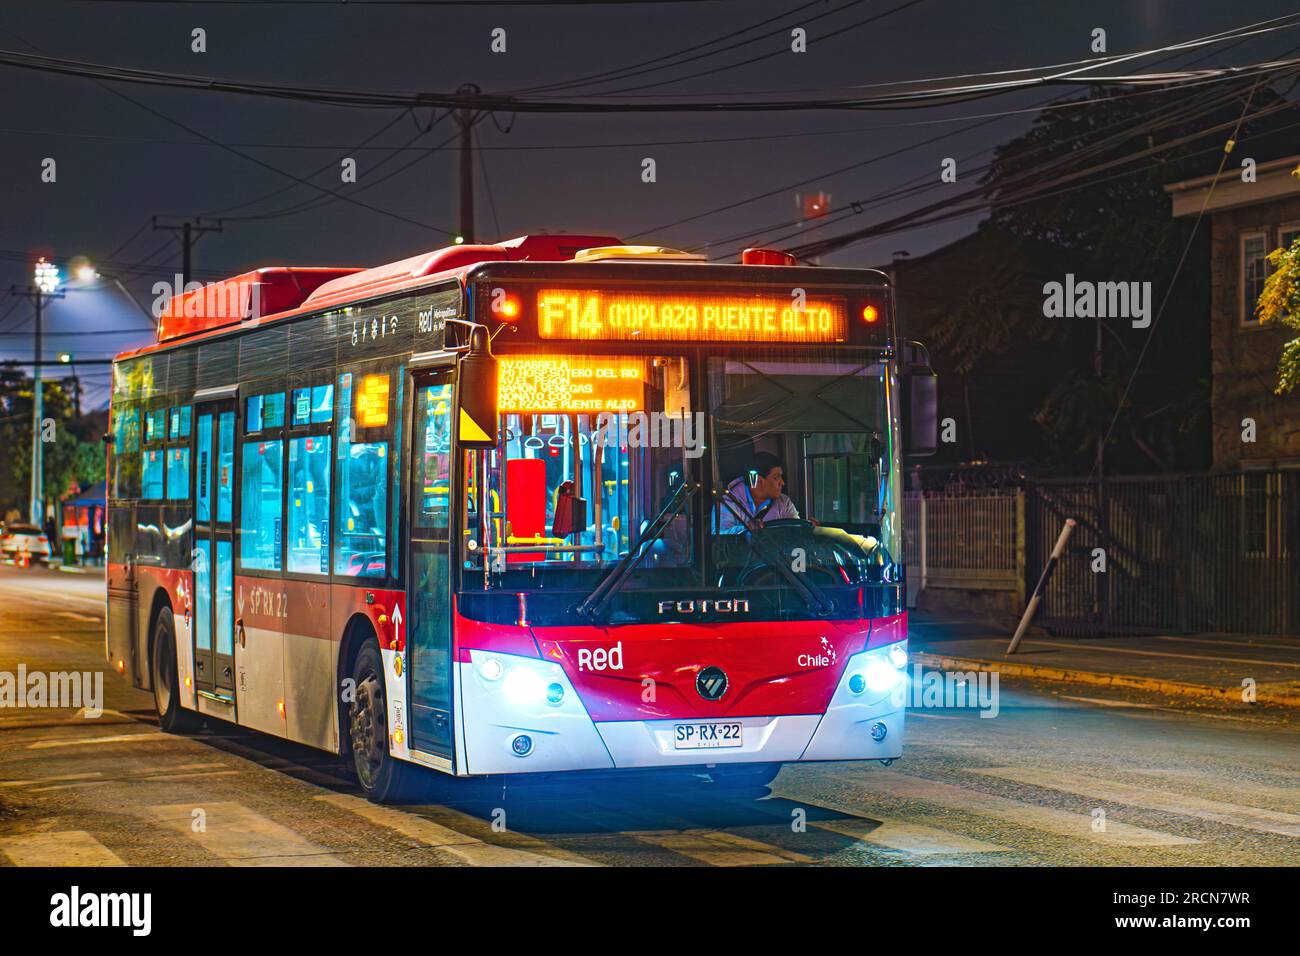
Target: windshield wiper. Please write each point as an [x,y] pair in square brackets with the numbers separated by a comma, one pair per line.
[612,582]
[811,594]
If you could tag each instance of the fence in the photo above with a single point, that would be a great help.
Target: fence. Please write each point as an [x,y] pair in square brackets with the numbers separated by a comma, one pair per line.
[1197,553]
[1192,553]
[964,542]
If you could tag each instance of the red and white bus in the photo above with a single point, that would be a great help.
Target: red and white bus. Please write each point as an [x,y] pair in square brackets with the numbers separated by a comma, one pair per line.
[554,504]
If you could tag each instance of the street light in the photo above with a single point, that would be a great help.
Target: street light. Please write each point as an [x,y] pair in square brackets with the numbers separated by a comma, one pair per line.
[46,279]
[47,276]
[85,272]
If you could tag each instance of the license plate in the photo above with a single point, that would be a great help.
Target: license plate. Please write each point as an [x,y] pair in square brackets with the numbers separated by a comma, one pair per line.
[708,736]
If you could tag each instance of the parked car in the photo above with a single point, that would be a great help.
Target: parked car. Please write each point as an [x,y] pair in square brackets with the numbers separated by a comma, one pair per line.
[19,539]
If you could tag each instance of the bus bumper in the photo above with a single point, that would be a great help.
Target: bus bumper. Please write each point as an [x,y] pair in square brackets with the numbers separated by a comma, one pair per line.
[522,715]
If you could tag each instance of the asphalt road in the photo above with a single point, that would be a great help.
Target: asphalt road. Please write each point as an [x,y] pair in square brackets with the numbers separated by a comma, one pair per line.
[1058,777]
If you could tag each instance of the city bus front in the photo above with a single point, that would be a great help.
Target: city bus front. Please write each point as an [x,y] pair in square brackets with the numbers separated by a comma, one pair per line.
[683,547]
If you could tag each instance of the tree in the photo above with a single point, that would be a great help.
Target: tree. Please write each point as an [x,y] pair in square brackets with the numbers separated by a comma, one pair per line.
[75,458]
[1082,193]
[1280,302]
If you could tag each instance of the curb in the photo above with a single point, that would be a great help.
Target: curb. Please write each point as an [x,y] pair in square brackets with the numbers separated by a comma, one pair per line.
[1174,688]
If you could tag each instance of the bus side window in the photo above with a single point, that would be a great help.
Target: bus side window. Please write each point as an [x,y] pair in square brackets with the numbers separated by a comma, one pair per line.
[362,480]
[309,505]
[259,505]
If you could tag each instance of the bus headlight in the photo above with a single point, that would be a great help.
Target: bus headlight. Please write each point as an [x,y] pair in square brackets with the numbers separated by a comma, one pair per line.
[523,685]
[877,671]
[491,668]
[880,675]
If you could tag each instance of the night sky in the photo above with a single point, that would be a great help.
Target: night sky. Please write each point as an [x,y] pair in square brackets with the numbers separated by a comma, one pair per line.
[118,164]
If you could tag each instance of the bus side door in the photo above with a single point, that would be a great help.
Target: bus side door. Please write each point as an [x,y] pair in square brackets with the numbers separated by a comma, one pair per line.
[214,495]
[428,601]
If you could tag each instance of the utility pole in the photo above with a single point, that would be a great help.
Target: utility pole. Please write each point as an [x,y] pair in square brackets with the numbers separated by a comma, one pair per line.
[466,117]
[189,233]
[70,360]
[46,286]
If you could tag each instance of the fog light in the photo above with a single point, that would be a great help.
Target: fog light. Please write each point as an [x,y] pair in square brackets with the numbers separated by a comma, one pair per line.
[555,693]
[857,683]
[898,656]
[522,745]
[878,731]
[491,669]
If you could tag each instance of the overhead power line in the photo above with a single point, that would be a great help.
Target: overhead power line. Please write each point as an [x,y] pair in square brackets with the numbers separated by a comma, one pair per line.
[505,103]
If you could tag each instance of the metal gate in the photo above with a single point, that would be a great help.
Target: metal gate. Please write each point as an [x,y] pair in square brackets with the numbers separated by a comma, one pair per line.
[1189,553]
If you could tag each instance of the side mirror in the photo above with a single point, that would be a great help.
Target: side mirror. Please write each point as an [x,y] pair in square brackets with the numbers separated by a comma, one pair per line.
[920,402]
[476,394]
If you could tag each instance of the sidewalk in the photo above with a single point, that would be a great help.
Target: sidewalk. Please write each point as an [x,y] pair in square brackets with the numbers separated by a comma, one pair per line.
[1208,666]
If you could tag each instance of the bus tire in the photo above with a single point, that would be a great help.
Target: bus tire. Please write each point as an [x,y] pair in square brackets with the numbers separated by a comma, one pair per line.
[383,778]
[172,717]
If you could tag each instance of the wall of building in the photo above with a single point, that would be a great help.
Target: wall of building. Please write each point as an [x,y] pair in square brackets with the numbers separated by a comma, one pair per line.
[1244,359]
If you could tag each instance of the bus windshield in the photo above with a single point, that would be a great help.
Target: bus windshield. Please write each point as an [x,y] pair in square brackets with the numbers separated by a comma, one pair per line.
[573,486]
[795,454]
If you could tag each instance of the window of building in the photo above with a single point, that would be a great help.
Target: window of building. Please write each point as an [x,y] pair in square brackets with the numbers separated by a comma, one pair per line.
[309,505]
[1254,269]
[259,506]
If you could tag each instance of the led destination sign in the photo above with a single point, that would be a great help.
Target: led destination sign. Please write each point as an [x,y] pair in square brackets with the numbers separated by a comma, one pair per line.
[596,314]
[561,384]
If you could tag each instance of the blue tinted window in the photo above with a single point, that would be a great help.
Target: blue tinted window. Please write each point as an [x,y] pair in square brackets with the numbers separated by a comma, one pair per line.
[362,509]
[301,406]
[151,473]
[273,410]
[259,506]
[178,474]
[202,589]
[322,403]
[123,455]
[225,464]
[203,488]
[155,425]
[264,411]
[178,425]
[309,505]
[225,606]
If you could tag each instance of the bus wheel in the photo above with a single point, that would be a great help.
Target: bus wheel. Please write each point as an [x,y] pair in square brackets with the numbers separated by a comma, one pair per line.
[383,778]
[172,717]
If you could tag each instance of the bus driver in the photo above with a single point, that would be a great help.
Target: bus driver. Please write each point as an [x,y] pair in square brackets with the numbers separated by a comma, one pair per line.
[758,493]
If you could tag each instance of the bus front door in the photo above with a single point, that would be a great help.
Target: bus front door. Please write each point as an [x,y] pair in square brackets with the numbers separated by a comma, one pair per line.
[214,495]
[428,602]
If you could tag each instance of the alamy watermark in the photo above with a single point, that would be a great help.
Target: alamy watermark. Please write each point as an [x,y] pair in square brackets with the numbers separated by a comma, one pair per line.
[213,300]
[60,689]
[651,430]
[939,690]
[1081,299]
